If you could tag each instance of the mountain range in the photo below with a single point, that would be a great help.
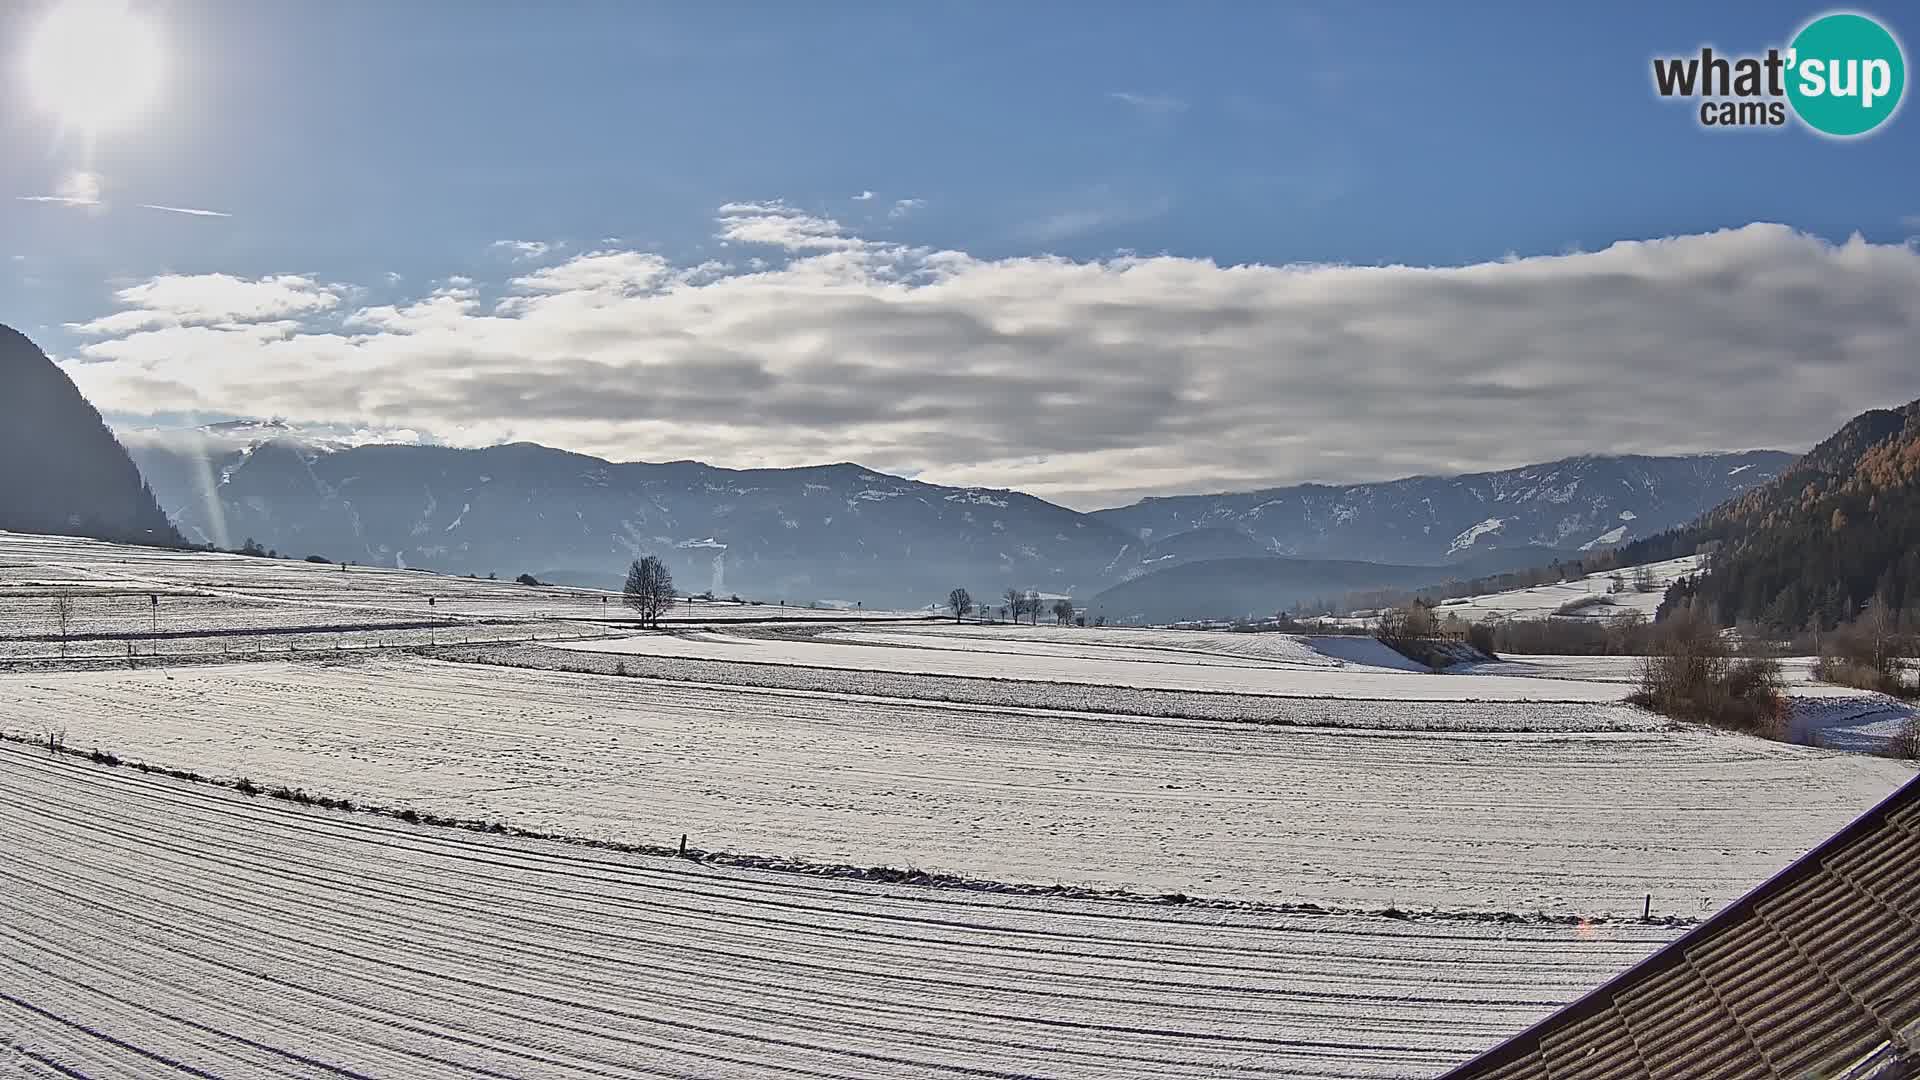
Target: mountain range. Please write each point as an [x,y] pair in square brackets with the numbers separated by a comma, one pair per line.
[845,533]
[1579,503]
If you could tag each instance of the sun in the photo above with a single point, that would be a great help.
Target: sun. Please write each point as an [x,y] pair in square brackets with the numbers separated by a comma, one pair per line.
[96,64]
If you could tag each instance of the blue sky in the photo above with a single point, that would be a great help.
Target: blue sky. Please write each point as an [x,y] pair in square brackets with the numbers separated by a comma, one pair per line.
[385,148]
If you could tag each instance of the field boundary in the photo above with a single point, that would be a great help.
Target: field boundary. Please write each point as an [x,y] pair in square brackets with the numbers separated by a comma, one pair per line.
[1153,702]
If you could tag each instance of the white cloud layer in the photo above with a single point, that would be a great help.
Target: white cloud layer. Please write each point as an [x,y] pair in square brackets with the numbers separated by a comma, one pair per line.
[230,303]
[1091,382]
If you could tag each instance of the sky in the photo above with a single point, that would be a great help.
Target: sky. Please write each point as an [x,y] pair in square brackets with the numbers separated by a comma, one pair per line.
[1174,248]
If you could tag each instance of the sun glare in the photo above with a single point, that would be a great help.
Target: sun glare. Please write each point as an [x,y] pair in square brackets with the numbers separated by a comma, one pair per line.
[94,63]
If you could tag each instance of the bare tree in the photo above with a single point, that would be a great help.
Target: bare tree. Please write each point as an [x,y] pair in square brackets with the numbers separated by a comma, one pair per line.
[1063,611]
[1643,580]
[63,616]
[1016,604]
[1033,606]
[960,602]
[649,590]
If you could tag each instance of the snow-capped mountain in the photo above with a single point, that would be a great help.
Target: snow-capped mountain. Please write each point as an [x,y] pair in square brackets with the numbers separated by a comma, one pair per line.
[1579,503]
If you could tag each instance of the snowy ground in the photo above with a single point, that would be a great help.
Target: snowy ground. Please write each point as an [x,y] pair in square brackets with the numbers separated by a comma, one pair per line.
[37,566]
[1850,720]
[1544,600]
[1003,692]
[1824,715]
[1566,821]
[149,926]
[1797,671]
[1107,657]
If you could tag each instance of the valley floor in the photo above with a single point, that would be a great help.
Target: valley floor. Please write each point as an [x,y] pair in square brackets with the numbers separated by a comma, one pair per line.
[154,927]
[1573,818]
[1171,855]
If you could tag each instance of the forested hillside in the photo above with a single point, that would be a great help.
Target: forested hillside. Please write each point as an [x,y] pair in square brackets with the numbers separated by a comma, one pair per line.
[1837,528]
[61,471]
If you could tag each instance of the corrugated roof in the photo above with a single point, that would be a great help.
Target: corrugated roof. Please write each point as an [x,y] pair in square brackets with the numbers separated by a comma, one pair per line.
[1815,973]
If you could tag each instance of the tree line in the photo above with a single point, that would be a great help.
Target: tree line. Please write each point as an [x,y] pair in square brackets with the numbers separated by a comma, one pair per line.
[1016,605]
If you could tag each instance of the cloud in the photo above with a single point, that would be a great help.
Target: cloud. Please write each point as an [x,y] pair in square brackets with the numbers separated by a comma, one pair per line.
[1158,105]
[185,210]
[81,188]
[864,196]
[624,272]
[525,250]
[205,300]
[903,207]
[1089,381]
[775,224]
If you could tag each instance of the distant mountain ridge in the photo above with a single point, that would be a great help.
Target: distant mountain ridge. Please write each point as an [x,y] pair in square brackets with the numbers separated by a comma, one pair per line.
[829,532]
[839,532]
[1582,502]
[61,470]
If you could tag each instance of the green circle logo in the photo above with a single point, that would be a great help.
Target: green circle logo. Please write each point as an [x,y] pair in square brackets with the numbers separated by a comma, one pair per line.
[1845,75]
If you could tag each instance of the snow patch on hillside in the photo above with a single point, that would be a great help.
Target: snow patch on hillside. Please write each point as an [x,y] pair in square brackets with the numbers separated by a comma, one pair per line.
[1472,535]
[1611,536]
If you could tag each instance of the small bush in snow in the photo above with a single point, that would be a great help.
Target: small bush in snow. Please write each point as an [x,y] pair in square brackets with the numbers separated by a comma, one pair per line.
[1691,676]
[1906,742]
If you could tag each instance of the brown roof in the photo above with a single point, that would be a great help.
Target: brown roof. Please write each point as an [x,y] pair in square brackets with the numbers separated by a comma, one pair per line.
[1815,973]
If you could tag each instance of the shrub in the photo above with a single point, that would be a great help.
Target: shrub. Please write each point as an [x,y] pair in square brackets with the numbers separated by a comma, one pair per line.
[322,559]
[1481,636]
[1842,671]
[1581,603]
[1691,676]
[528,579]
[1866,653]
[1412,631]
[1906,742]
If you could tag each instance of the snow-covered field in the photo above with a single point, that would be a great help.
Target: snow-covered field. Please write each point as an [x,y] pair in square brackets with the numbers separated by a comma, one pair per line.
[38,566]
[1541,601]
[1563,821]
[1083,656]
[151,927]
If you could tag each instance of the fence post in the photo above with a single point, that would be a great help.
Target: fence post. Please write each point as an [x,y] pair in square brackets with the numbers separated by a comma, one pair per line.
[1647,915]
[683,845]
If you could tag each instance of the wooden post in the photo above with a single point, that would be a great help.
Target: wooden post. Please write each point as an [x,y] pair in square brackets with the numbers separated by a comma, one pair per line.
[1647,915]
[683,845]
